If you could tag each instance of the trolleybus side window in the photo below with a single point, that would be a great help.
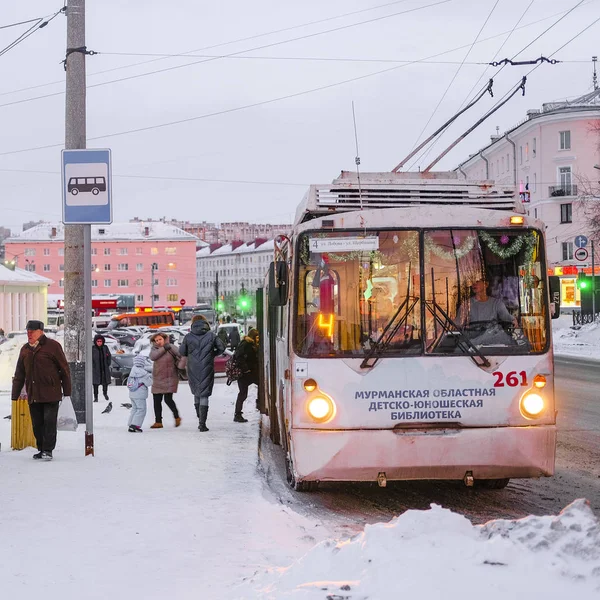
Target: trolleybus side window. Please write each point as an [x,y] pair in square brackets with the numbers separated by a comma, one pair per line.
[484,290]
[356,291]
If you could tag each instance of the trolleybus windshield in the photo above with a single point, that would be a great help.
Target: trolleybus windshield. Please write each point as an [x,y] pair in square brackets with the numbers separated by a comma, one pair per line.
[409,292]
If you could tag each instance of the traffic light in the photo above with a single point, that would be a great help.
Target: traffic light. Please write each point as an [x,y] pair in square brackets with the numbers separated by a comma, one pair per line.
[583,282]
[220,305]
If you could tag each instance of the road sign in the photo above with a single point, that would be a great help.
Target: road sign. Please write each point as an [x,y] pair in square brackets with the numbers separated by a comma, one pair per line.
[581,241]
[86,186]
[182,302]
[581,254]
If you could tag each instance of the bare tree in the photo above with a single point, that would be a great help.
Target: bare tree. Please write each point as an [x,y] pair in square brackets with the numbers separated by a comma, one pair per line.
[589,190]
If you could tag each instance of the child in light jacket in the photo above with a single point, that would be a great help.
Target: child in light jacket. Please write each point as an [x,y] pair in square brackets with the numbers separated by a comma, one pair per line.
[138,384]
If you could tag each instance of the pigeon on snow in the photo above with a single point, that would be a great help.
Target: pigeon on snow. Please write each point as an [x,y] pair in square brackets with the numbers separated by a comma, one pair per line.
[126,404]
[8,417]
[108,408]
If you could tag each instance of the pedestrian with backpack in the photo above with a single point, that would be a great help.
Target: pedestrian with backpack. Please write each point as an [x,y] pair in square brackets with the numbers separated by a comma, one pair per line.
[139,383]
[246,357]
[200,346]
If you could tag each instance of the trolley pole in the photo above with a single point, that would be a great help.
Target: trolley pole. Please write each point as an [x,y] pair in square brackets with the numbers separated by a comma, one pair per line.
[77,283]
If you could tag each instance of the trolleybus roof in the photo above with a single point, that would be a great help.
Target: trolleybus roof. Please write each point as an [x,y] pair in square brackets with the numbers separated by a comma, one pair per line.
[391,190]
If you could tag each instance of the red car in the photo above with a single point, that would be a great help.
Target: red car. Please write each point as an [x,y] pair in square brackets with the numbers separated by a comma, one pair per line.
[221,361]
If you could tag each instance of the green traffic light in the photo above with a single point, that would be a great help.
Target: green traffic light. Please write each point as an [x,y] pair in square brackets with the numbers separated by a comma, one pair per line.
[583,285]
[244,303]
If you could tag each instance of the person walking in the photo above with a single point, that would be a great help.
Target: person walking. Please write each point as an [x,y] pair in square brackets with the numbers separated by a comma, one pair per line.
[101,358]
[234,336]
[42,367]
[164,377]
[200,346]
[246,356]
[138,384]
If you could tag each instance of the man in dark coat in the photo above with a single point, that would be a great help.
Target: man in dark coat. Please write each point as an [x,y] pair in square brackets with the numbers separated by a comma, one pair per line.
[200,346]
[42,367]
[101,358]
[234,336]
[246,356]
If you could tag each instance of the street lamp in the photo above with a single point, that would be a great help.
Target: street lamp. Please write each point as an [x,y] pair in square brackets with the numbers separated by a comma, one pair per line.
[154,267]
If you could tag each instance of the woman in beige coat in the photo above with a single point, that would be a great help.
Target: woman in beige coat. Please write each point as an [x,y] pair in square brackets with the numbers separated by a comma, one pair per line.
[164,377]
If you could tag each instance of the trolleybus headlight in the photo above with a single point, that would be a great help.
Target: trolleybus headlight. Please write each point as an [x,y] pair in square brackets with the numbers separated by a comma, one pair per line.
[310,385]
[321,408]
[532,405]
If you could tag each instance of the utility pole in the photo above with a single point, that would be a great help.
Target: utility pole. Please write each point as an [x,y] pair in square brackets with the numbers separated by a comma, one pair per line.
[217,293]
[78,338]
[593,285]
[154,268]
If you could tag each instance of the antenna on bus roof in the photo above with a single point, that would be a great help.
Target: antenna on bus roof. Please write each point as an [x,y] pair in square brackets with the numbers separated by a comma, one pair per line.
[357,158]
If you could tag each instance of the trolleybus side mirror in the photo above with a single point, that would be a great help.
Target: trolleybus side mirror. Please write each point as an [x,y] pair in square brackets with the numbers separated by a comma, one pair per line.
[278,283]
[554,285]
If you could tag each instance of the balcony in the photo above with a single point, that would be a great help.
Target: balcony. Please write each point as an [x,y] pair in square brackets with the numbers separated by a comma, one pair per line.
[562,190]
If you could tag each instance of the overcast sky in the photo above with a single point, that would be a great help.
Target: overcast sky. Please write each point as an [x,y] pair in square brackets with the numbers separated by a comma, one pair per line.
[265,155]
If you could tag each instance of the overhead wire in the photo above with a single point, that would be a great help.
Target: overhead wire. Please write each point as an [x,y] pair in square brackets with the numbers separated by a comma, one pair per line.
[455,75]
[563,16]
[428,150]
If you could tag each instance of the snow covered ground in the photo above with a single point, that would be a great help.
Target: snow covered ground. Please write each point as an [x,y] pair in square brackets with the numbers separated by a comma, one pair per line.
[584,342]
[174,513]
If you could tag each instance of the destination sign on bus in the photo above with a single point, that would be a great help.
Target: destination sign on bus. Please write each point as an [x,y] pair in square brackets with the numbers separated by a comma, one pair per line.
[344,244]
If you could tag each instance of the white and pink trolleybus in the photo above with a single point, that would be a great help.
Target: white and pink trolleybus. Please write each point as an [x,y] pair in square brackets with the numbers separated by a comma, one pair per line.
[406,334]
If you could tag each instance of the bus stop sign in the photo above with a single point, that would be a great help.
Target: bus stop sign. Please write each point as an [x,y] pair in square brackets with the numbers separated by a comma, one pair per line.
[86,187]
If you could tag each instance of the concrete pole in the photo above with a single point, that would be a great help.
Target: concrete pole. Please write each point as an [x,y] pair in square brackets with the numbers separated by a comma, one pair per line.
[593,285]
[75,138]
[153,269]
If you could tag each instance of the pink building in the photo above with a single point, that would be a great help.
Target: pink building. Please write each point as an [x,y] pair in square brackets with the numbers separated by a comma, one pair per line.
[122,259]
[551,157]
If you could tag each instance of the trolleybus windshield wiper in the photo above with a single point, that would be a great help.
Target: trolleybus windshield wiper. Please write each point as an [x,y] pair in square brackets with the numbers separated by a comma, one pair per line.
[390,330]
[463,342]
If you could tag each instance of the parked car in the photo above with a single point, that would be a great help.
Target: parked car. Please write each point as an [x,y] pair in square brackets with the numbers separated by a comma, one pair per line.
[120,367]
[221,361]
[228,327]
[125,338]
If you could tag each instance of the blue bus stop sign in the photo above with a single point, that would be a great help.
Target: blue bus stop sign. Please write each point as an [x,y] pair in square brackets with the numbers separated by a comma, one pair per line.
[581,241]
[86,186]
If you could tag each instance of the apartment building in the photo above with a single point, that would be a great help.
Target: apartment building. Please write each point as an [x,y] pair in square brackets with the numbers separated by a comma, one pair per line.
[123,255]
[552,157]
[237,266]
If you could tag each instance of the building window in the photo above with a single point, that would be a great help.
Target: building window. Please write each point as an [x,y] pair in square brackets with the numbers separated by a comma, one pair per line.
[138,250]
[171,250]
[526,151]
[139,298]
[171,282]
[535,182]
[46,268]
[29,252]
[171,266]
[566,213]
[30,266]
[123,282]
[94,283]
[566,181]
[107,283]
[61,283]
[106,251]
[503,164]
[567,248]
[139,267]
[534,147]
[535,212]
[107,267]
[520,155]
[139,282]
[61,267]
[46,251]
[155,297]
[507,163]
[123,251]
[172,297]
[154,251]
[123,267]
[156,281]
[61,251]
[94,251]
[564,140]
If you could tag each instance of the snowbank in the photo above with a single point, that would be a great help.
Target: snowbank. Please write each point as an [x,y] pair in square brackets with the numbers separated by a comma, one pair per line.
[584,342]
[437,553]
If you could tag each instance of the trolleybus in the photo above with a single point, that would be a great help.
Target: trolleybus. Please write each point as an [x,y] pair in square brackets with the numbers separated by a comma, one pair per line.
[406,334]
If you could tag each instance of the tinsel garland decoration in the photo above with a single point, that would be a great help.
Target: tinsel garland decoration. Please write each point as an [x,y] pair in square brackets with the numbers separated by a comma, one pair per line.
[525,241]
[460,252]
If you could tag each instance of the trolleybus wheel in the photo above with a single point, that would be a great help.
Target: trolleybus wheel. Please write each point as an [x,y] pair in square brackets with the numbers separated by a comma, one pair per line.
[493,484]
